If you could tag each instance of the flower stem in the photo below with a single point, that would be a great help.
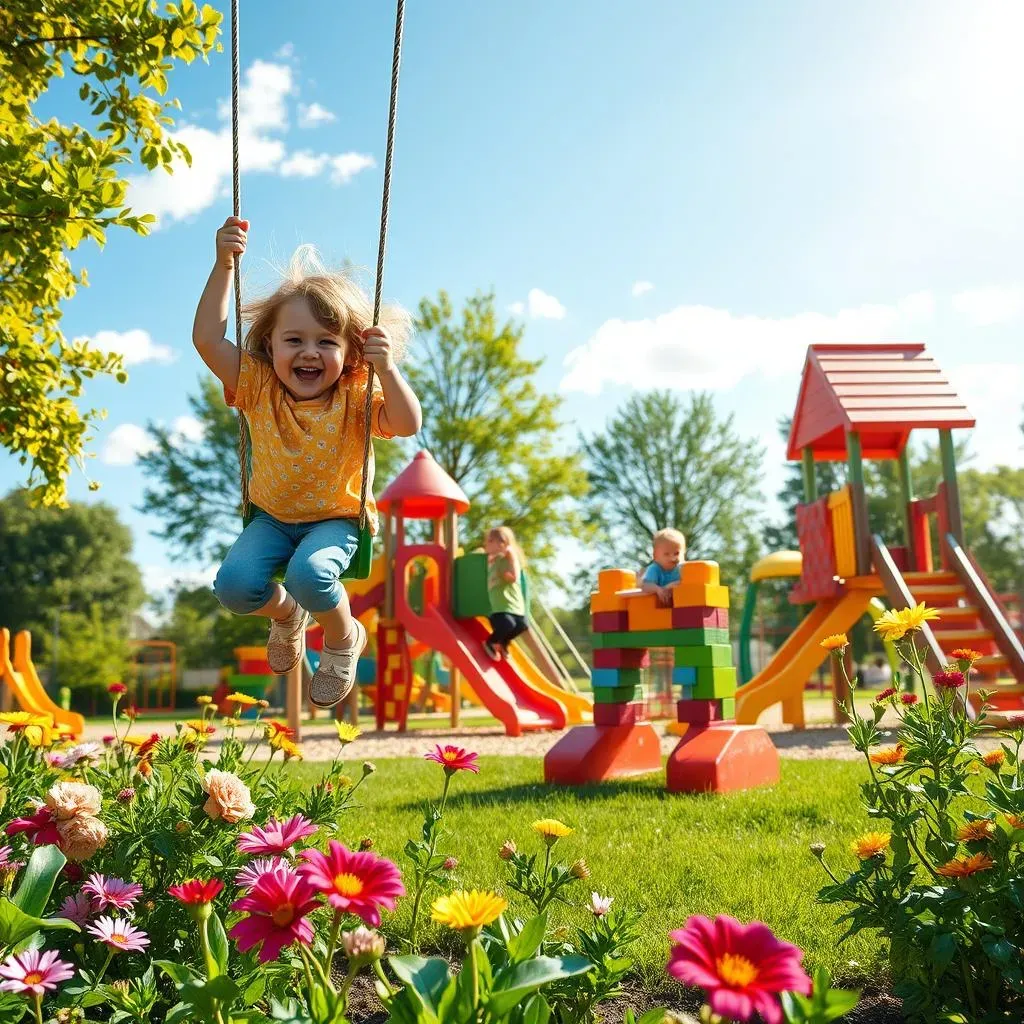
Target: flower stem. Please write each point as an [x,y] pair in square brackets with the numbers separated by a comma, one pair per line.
[473,946]
[103,969]
[212,970]
[382,977]
[333,944]
[38,1002]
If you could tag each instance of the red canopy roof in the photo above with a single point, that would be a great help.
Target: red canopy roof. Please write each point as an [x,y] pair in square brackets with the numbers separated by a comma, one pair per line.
[880,392]
[422,491]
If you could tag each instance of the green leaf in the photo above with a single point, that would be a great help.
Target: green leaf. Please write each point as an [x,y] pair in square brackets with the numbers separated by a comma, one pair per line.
[41,872]
[538,1011]
[512,985]
[15,925]
[998,949]
[178,973]
[943,949]
[218,943]
[523,946]
[427,979]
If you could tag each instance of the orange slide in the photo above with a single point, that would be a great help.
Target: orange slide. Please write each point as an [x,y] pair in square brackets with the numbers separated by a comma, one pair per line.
[784,677]
[21,678]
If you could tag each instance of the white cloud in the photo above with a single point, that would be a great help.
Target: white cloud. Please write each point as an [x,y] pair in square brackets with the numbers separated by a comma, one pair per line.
[125,444]
[991,304]
[517,308]
[698,347]
[312,114]
[641,288]
[992,393]
[263,117]
[134,346]
[185,430]
[286,51]
[538,306]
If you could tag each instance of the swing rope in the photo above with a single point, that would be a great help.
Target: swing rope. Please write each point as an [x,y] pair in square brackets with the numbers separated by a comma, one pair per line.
[236,194]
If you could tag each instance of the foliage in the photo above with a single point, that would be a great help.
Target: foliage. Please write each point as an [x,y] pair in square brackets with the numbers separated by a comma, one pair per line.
[60,184]
[92,651]
[941,876]
[543,887]
[193,484]
[660,461]
[487,425]
[205,633]
[56,560]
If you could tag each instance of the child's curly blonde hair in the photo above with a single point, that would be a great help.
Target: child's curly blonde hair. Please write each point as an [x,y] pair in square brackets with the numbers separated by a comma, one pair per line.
[336,301]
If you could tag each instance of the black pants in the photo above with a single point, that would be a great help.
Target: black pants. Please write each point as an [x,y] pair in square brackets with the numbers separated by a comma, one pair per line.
[505,627]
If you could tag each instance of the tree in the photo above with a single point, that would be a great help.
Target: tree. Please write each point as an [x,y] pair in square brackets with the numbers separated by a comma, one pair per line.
[60,184]
[193,484]
[55,561]
[205,633]
[663,462]
[92,652]
[488,426]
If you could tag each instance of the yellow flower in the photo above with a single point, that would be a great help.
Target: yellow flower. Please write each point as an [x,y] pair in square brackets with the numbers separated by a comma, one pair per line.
[889,755]
[204,700]
[835,642]
[870,844]
[16,720]
[38,735]
[976,831]
[551,829]
[895,624]
[243,700]
[289,748]
[468,911]
[346,732]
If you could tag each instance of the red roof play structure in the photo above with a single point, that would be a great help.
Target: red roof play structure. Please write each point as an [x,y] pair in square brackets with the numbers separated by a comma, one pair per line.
[422,491]
[881,392]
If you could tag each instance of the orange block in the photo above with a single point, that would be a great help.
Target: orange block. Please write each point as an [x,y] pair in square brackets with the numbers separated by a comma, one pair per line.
[700,595]
[611,602]
[644,613]
[610,580]
[699,572]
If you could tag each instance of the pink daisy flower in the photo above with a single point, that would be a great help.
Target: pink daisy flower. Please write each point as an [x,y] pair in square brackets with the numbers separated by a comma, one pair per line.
[358,883]
[111,892]
[77,908]
[34,972]
[277,907]
[254,871]
[453,759]
[119,935]
[5,855]
[196,891]
[741,967]
[41,828]
[276,836]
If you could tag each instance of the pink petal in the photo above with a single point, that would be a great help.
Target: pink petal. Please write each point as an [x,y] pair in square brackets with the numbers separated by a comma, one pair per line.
[733,1005]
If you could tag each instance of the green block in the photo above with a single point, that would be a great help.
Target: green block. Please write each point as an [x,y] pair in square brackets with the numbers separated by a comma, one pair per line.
[719,655]
[618,694]
[728,707]
[702,638]
[641,640]
[714,681]
[470,581]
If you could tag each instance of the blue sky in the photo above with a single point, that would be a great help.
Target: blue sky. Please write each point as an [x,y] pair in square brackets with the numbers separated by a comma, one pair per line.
[669,194]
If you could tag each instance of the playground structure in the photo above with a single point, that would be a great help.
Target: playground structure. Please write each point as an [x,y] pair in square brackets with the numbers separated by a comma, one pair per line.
[446,616]
[21,682]
[860,402]
[714,754]
[153,675]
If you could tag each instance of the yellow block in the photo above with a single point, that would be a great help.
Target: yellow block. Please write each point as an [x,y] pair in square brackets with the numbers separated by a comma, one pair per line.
[610,580]
[391,636]
[644,614]
[606,603]
[400,692]
[389,709]
[699,572]
[394,661]
[700,595]
[840,505]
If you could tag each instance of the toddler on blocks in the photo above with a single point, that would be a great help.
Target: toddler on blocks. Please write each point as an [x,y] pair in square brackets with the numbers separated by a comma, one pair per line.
[508,603]
[300,380]
[663,573]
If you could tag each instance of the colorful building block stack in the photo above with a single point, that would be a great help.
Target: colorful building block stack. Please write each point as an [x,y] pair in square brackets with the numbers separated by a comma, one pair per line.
[714,753]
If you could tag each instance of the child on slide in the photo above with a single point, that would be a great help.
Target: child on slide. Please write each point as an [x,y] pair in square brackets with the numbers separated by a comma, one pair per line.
[300,380]
[508,603]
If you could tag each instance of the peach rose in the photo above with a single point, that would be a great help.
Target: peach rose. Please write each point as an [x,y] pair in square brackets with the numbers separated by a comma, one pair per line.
[72,799]
[81,836]
[229,797]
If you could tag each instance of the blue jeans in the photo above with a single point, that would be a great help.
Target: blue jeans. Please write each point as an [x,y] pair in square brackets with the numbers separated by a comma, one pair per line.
[316,554]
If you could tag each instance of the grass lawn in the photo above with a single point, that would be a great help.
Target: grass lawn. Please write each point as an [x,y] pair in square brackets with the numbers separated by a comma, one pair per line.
[670,855]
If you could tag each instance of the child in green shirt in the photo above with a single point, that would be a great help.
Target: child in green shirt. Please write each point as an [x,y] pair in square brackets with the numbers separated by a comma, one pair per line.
[508,603]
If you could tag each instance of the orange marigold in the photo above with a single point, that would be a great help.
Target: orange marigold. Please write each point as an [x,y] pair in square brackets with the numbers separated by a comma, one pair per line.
[976,831]
[889,755]
[961,867]
[1015,821]
[965,654]
[835,642]
[994,758]
[871,844]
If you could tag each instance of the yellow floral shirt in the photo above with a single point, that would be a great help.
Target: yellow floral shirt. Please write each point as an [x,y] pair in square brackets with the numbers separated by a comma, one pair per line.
[307,456]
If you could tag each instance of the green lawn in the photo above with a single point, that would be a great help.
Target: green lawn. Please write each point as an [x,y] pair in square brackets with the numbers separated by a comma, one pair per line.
[670,855]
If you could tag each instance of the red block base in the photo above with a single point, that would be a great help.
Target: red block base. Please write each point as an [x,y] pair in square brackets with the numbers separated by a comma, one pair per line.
[722,758]
[593,753]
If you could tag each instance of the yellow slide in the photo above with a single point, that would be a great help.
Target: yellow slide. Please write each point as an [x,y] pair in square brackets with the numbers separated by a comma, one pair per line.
[23,681]
[784,677]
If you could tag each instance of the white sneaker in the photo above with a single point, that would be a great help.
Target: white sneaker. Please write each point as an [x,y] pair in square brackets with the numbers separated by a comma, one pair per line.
[286,641]
[333,680]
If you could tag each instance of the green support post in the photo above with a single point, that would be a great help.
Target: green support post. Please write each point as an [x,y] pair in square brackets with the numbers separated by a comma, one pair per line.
[810,477]
[907,494]
[948,451]
[861,524]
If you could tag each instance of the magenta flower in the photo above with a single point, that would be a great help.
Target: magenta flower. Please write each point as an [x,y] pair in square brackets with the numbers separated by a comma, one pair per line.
[41,828]
[948,680]
[119,935]
[196,891]
[255,870]
[453,759]
[276,836]
[111,892]
[34,971]
[358,883]
[741,967]
[5,855]
[77,908]
[277,908]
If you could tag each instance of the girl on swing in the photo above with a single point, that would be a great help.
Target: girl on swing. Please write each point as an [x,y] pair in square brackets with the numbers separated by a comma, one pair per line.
[300,380]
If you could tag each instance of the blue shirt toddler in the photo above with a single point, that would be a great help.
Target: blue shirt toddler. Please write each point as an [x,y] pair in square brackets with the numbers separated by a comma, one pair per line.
[661,577]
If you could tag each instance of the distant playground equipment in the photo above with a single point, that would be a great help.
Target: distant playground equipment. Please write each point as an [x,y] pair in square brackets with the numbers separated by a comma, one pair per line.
[860,402]
[428,598]
[714,754]
[153,675]
[21,683]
